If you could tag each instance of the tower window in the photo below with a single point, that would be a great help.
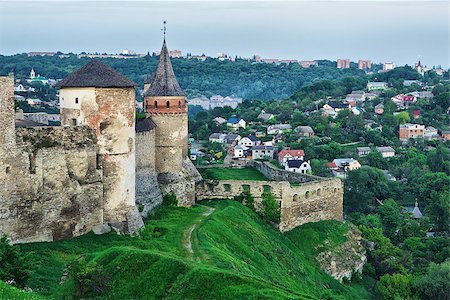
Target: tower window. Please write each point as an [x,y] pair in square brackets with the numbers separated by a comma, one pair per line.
[76,100]
[168,104]
[156,104]
[179,104]
[74,122]
[8,170]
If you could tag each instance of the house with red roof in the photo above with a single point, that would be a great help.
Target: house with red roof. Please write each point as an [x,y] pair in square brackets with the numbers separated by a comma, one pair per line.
[288,154]
[415,113]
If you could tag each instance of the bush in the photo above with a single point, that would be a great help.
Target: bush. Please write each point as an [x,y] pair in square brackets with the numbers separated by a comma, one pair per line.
[14,266]
[89,278]
[246,198]
[170,199]
[395,286]
[270,208]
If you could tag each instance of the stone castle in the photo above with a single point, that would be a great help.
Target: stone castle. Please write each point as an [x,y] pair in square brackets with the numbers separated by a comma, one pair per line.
[101,164]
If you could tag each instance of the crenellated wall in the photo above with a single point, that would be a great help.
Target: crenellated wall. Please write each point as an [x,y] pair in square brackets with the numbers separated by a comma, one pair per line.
[299,203]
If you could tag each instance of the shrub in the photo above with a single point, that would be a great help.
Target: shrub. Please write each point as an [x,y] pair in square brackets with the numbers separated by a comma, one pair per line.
[89,278]
[14,266]
[395,286]
[270,208]
[170,199]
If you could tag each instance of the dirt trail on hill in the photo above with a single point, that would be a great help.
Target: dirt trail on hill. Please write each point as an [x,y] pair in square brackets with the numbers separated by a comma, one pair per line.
[187,236]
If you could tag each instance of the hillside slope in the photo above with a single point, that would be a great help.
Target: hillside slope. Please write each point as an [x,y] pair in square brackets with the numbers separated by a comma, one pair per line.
[232,254]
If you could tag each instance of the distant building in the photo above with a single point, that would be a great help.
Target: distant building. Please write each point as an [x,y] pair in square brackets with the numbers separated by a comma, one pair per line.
[239,151]
[278,128]
[175,53]
[262,152]
[430,133]
[308,63]
[340,166]
[304,132]
[297,166]
[415,113]
[217,138]
[445,134]
[411,131]
[388,66]
[403,101]
[363,151]
[219,101]
[386,151]
[265,116]
[232,138]
[41,53]
[376,86]
[343,63]
[379,109]
[200,101]
[235,123]
[411,82]
[288,154]
[250,141]
[220,120]
[364,64]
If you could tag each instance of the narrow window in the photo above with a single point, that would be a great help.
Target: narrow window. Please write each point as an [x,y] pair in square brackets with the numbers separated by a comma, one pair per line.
[246,188]
[8,170]
[167,104]
[76,100]
[74,122]
[156,104]
[179,104]
[307,194]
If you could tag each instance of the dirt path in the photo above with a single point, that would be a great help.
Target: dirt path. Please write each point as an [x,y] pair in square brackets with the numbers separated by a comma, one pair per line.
[187,237]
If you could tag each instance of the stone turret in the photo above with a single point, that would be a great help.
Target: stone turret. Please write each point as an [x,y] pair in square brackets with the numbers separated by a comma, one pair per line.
[103,99]
[7,127]
[165,103]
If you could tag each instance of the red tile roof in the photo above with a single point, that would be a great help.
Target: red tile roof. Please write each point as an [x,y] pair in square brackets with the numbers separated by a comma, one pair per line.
[292,153]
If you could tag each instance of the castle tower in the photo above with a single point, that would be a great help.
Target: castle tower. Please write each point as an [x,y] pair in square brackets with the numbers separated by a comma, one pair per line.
[165,103]
[32,74]
[103,99]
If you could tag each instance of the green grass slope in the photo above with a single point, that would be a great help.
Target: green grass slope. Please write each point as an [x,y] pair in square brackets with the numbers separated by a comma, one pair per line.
[235,255]
[9,292]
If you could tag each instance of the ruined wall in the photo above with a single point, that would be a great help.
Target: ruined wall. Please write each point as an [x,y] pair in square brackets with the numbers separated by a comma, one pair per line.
[302,203]
[53,189]
[148,193]
[7,131]
[282,175]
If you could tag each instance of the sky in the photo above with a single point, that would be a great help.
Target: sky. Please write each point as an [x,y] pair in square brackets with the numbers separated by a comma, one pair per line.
[382,31]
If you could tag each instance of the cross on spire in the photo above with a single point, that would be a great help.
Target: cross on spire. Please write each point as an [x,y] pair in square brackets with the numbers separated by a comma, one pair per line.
[164,29]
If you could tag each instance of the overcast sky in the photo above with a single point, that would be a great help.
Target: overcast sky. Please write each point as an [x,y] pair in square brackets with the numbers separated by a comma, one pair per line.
[382,31]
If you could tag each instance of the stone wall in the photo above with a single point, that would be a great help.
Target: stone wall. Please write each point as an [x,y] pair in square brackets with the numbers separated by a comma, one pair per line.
[299,203]
[273,173]
[7,119]
[53,189]
[148,193]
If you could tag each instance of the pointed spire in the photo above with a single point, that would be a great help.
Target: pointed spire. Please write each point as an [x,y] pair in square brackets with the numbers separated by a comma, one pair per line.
[164,83]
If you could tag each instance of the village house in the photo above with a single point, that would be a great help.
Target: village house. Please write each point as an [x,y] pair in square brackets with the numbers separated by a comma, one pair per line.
[337,106]
[410,131]
[297,166]
[265,116]
[379,109]
[262,152]
[411,82]
[423,94]
[250,141]
[415,113]
[260,134]
[363,151]
[376,86]
[430,133]
[217,138]
[288,154]
[232,139]
[445,134]
[239,151]
[200,101]
[340,166]
[235,123]
[386,151]
[304,132]
[403,101]
[278,128]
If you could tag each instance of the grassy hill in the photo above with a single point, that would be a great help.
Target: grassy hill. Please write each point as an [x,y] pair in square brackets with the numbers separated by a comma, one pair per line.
[217,250]
[9,292]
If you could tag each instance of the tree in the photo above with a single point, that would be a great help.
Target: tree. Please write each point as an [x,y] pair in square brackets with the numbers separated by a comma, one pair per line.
[438,210]
[435,284]
[395,286]
[270,208]
[391,217]
[362,188]
[402,117]
[14,265]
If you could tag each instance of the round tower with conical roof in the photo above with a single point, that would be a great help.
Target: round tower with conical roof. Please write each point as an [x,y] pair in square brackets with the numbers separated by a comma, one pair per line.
[165,103]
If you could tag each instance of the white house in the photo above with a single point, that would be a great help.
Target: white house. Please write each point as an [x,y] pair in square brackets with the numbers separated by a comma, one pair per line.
[250,141]
[430,133]
[386,151]
[236,123]
[278,128]
[220,120]
[362,151]
[262,152]
[297,166]
[217,138]
[288,154]
[239,150]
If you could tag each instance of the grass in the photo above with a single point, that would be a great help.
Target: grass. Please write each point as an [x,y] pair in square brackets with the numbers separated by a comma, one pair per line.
[9,292]
[232,174]
[236,256]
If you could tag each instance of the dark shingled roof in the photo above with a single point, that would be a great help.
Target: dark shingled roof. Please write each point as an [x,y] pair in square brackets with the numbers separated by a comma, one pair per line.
[143,125]
[165,82]
[96,74]
[150,78]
